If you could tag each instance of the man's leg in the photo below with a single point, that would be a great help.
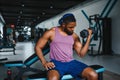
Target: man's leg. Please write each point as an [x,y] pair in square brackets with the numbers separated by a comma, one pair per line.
[53,75]
[90,74]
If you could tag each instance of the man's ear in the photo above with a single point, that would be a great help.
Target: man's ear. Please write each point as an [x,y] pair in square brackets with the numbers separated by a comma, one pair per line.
[63,24]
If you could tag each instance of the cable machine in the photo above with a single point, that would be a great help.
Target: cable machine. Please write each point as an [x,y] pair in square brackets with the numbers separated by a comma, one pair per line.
[102,28]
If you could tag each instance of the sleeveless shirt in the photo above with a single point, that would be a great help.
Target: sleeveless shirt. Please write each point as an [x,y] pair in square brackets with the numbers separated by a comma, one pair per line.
[61,48]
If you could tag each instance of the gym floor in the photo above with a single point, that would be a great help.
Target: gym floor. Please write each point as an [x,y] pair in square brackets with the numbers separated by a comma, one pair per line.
[25,49]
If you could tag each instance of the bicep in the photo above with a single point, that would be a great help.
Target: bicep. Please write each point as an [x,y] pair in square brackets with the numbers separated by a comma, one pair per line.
[77,45]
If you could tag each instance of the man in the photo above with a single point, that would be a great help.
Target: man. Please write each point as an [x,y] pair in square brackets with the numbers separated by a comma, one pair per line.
[63,41]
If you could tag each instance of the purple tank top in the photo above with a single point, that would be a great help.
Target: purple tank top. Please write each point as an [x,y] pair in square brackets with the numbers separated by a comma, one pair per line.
[61,48]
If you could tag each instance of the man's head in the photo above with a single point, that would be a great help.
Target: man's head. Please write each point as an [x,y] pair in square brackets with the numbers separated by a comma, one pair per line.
[68,22]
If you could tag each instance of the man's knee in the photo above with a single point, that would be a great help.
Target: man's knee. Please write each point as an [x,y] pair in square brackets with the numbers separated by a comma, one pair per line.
[93,74]
[90,73]
[53,75]
[53,78]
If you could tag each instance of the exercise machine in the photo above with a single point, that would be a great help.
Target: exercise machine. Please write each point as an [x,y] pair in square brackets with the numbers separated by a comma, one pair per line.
[40,74]
[23,66]
[3,59]
[8,48]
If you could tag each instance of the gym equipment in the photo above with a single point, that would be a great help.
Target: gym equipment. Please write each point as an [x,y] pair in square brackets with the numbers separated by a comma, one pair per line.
[103,28]
[8,40]
[101,33]
[84,33]
[92,45]
[105,13]
[3,59]
[42,76]
[4,48]
[23,66]
[5,45]
[107,38]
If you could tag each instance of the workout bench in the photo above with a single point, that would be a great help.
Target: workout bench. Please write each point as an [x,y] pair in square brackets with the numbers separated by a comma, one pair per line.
[23,66]
[42,76]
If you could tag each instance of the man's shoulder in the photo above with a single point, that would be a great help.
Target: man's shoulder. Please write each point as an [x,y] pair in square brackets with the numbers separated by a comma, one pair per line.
[51,31]
[75,36]
[53,28]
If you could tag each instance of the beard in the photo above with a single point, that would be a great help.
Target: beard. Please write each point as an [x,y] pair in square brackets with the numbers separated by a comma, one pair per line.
[68,32]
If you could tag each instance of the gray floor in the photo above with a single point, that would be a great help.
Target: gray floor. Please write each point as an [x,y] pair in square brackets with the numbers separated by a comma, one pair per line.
[25,49]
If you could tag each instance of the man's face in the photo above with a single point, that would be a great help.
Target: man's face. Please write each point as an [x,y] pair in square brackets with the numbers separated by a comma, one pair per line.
[69,28]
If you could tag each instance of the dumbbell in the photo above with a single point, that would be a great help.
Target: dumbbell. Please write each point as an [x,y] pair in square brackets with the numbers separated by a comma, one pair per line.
[84,33]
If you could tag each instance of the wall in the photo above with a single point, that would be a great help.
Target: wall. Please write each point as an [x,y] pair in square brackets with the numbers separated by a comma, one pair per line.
[115,14]
[91,8]
[1,24]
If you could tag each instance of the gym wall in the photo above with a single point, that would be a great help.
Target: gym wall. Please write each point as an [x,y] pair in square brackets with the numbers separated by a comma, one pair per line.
[1,24]
[1,27]
[91,8]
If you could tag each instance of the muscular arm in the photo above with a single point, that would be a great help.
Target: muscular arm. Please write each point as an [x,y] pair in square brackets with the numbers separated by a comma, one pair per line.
[81,50]
[40,45]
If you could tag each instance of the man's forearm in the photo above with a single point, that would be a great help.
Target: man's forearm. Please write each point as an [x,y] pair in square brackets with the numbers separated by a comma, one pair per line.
[40,55]
[86,46]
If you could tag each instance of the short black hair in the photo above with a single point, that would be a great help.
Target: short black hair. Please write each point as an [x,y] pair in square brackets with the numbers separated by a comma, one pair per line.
[69,17]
